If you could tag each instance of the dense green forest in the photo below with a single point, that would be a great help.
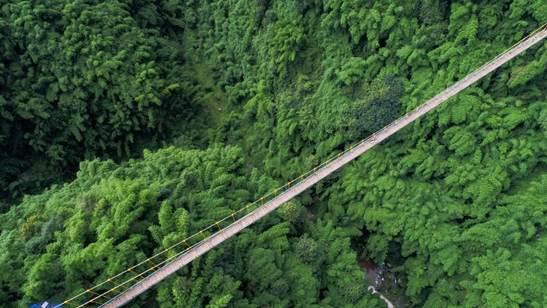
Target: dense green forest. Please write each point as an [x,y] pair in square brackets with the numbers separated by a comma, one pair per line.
[127,125]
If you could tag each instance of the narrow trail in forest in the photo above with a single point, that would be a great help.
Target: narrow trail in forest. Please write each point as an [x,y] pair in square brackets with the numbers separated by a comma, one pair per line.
[128,289]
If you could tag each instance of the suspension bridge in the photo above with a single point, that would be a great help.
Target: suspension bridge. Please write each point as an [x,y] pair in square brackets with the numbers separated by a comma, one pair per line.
[125,286]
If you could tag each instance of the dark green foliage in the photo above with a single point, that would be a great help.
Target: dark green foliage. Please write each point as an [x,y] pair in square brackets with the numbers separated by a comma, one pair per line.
[79,79]
[380,106]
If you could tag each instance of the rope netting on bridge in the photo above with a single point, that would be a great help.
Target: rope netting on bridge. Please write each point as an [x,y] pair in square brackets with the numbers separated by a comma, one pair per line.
[102,292]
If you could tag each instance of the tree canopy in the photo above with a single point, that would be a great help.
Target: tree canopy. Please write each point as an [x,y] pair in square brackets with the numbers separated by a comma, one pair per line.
[81,79]
[230,99]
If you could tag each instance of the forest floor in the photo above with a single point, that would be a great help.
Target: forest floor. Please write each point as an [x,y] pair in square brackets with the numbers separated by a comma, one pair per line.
[383,280]
[213,102]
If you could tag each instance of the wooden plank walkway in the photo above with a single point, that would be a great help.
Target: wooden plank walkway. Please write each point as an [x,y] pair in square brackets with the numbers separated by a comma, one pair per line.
[224,234]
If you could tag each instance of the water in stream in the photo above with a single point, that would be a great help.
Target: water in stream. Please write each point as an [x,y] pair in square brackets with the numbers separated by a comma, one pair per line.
[382,281]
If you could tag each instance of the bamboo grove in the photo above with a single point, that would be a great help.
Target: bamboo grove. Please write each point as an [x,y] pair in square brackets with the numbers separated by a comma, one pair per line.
[127,125]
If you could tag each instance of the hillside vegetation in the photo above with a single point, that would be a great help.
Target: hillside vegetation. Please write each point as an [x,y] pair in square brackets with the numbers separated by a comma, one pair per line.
[233,98]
